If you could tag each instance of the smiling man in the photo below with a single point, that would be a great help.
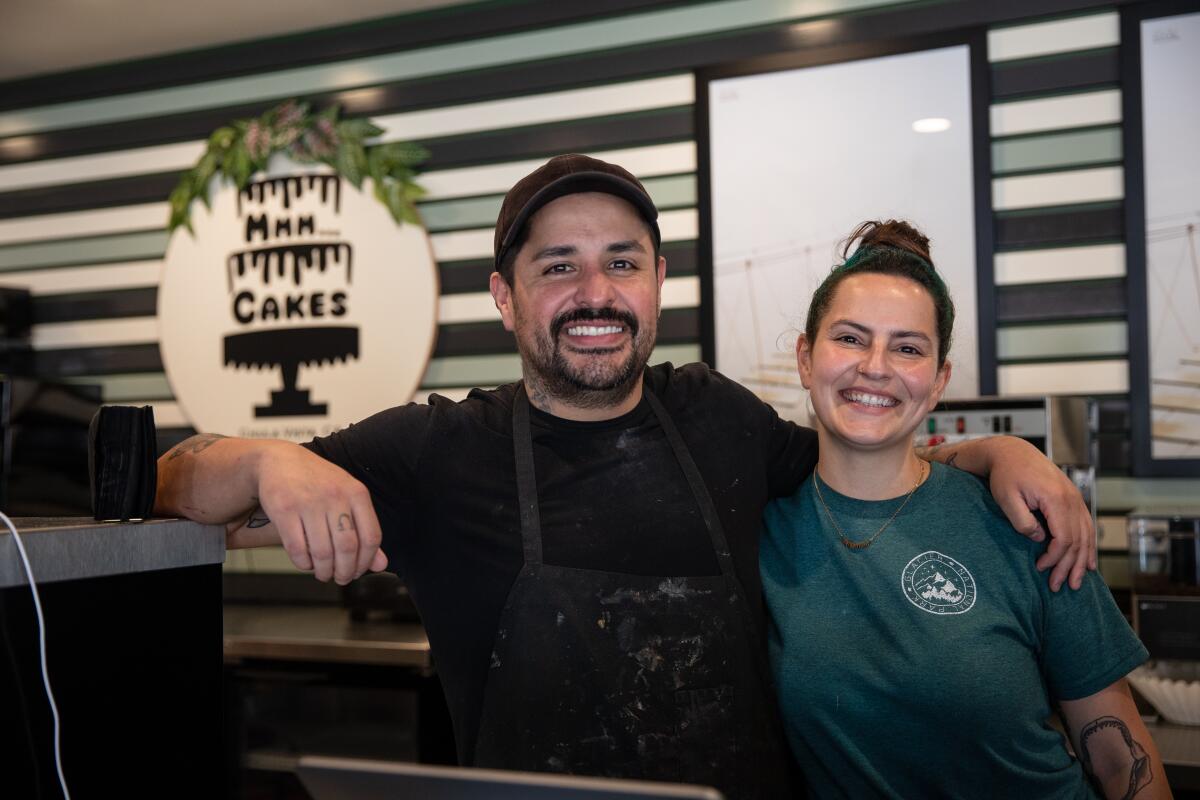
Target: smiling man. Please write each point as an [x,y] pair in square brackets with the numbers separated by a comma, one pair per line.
[582,545]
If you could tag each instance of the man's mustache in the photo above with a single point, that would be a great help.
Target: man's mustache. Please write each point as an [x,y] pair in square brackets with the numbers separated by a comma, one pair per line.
[594,315]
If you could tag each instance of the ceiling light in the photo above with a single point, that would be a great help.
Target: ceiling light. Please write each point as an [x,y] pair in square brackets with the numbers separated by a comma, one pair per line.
[931,125]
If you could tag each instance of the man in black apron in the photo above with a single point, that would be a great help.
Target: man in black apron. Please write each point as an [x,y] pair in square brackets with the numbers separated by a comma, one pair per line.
[582,546]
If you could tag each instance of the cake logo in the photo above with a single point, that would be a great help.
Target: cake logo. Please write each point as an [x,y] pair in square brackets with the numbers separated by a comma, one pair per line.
[936,583]
[298,307]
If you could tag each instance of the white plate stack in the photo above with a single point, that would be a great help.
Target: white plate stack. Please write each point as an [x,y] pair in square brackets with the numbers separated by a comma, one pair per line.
[1173,687]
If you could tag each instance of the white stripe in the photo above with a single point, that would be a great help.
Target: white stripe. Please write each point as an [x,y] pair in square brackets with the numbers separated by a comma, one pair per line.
[675,226]
[682,292]
[1057,36]
[1061,264]
[148,216]
[460,245]
[644,162]
[1053,113]
[76,169]
[676,90]
[95,333]
[1058,188]
[167,413]
[1065,377]
[98,278]
[468,307]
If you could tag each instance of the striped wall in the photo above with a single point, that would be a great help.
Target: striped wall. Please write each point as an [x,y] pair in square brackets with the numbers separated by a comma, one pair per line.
[1057,192]
[86,161]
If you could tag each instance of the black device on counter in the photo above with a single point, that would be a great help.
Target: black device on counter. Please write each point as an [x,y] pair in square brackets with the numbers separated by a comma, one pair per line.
[122,462]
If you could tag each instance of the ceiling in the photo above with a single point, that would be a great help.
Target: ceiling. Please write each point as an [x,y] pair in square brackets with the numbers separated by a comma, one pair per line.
[44,36]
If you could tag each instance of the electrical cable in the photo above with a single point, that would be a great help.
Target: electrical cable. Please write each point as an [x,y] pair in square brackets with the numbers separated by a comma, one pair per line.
[37,606]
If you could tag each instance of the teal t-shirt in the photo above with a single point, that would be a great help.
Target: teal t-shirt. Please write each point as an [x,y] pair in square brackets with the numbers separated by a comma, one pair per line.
[925,665]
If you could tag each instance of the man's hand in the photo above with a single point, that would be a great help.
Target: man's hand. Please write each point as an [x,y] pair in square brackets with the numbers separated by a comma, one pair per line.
[273,492]
[324,517]
[1023,481]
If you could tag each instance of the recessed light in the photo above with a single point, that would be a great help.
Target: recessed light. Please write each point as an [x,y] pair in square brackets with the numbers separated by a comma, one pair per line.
[931,125]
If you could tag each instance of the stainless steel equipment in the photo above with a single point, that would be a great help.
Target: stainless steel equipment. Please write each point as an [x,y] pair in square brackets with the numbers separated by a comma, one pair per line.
[1164,555]
[1064,428]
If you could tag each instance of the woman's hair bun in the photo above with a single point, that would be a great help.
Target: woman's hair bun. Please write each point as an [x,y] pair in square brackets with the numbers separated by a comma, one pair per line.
[889,233]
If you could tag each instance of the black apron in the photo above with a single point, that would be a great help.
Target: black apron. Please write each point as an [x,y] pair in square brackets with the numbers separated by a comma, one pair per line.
[630,676]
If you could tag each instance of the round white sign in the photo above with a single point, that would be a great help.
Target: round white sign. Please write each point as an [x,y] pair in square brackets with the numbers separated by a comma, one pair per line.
[298,307]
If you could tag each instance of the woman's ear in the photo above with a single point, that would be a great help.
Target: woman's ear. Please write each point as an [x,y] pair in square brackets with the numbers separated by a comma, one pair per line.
[804,359]
[939,385]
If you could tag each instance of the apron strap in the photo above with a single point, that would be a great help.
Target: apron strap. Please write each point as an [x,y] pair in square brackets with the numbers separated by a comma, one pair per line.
[716,530]
[527,499]
[708,512]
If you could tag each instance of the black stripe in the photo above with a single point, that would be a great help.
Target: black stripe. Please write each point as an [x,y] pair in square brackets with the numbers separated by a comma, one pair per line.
[1056,226]
[626,130]
[460,277]
[109,359]
[677,326]
[89,195]
[820,41]
[1064,358]
[1070,301]
[395,34]
[1115,454]
[109,304]
[1089,69]
[1113,434]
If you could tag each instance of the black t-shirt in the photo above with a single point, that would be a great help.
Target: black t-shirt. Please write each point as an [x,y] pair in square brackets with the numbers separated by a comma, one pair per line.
[611,495]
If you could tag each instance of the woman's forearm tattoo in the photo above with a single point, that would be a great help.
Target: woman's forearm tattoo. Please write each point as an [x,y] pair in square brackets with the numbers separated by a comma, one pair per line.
[1099,734]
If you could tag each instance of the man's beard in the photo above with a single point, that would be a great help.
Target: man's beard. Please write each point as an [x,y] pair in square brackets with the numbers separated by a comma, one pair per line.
[597,383]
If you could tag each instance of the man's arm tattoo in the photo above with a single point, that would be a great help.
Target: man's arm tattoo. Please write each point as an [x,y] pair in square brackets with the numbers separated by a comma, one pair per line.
[927,453]
[258,519]
[1103,729]
[195,445]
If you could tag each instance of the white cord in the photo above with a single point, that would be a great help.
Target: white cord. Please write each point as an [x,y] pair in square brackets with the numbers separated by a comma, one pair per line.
[37,606]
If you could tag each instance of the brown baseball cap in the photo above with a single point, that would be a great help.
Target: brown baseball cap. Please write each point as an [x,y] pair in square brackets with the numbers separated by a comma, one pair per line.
[561,176]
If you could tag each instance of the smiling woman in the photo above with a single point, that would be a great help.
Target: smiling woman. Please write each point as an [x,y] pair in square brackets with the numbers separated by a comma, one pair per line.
[897,587]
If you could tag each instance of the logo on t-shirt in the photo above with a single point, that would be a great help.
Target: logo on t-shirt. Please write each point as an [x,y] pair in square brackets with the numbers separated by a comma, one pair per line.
[936,583]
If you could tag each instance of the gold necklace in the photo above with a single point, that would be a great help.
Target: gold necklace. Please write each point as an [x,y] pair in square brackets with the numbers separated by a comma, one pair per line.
[865,543]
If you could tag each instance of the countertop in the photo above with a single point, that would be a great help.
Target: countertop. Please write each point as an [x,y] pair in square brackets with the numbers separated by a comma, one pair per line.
[322,633]
[70,548]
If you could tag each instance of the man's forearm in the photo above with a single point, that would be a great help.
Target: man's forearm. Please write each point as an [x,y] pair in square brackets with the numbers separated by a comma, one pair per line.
[973,455]
[209,478]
